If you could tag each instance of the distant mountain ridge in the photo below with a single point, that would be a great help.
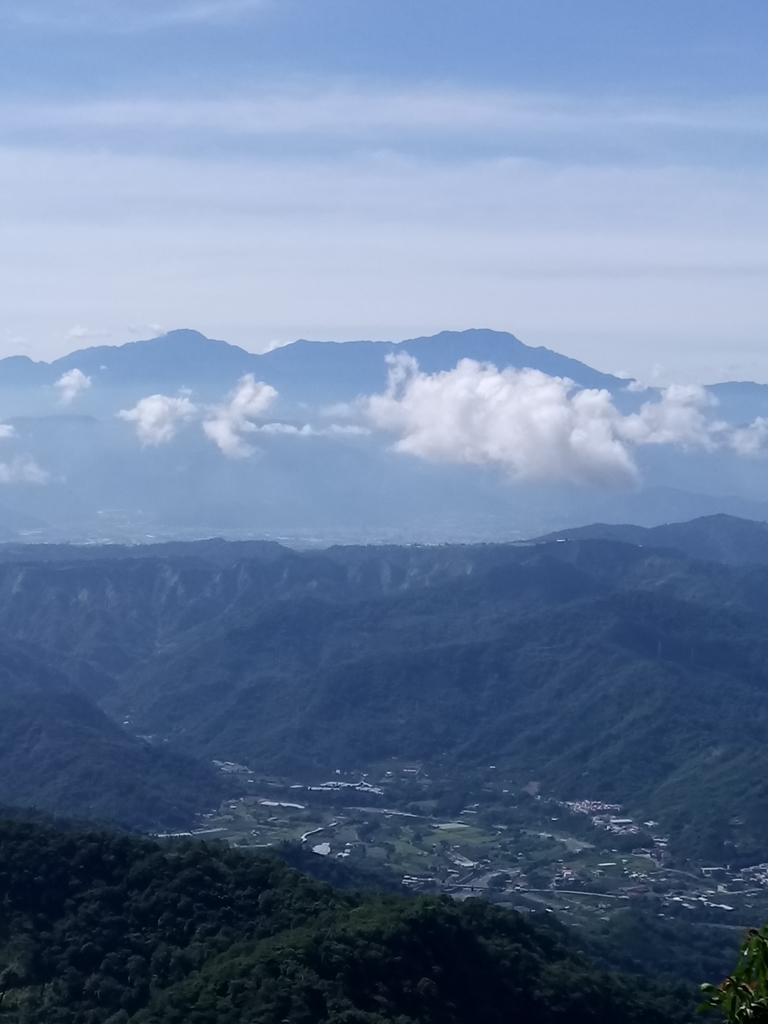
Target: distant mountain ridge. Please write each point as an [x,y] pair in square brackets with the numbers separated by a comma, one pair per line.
[716,538]
[79,471]
[322,370]
[325,370]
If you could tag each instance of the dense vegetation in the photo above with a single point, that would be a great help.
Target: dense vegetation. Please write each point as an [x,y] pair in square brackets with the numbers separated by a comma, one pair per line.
[60,751]
[100,927]
[604,669]
[743,995]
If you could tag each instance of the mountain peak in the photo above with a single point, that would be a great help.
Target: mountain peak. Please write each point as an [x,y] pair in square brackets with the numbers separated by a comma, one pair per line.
[181,334]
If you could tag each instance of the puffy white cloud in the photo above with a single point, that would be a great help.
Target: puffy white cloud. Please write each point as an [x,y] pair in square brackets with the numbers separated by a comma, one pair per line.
[532,424]
[71,384]
[22,470]
[157,417]
[6,430]
[225,424]
[540,427]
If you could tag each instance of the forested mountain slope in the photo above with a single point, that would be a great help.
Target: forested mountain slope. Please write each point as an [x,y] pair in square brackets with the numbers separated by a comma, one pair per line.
[60,751]
[98,928]
[604,669]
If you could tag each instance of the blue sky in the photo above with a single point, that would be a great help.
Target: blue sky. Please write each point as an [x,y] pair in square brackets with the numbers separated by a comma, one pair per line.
[588,175]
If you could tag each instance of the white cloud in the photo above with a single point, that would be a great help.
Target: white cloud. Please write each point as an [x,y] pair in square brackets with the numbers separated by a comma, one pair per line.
[750,440]
[287,428]
[225,424]
[532,424]
[676,418]
[539,427]
[158,417]
[6,430]
[71,384]
[22,470]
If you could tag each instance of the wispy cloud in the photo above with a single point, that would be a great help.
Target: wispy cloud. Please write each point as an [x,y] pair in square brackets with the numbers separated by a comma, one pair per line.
[499,121]
[23,470]
[124,15]
[78,333]
[389,213]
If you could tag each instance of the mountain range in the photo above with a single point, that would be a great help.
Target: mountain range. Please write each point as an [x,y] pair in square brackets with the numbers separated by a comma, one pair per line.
[605,669]
[309,467]
[304,371]
[717,538]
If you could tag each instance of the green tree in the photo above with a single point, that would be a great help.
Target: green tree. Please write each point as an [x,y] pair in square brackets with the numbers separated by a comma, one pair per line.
[743,996]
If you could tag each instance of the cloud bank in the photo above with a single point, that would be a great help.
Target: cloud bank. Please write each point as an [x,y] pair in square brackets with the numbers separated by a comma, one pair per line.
[71,384]
[532,425]
[539,427]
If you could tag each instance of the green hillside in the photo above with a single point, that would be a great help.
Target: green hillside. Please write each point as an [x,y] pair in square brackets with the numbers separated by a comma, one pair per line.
[61,752]
[102,928]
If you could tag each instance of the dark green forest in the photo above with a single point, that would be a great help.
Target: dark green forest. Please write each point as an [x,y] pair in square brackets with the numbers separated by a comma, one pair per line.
[99,927]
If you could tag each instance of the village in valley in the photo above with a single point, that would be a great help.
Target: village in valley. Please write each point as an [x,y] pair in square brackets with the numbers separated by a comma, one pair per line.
[484,836]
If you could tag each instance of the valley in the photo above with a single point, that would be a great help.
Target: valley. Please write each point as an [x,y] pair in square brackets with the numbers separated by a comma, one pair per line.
[401,827]
[574,728]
